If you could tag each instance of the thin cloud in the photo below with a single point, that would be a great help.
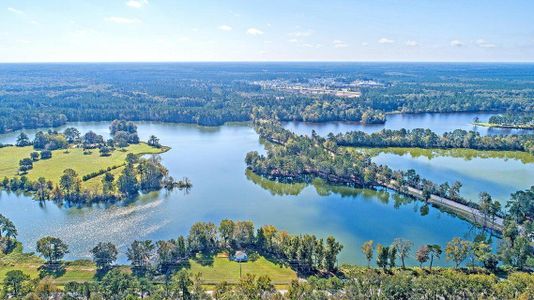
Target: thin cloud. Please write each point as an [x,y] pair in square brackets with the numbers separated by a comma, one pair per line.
[457,43]
[316,46]
[412,43]
[339,44]
[385,41]
[123,21]
[300,34]
[16,11]
[254,31]
[484,44]
[137,3]
[225,28]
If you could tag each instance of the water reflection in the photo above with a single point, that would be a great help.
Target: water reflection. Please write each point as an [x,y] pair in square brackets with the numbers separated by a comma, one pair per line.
[213,158]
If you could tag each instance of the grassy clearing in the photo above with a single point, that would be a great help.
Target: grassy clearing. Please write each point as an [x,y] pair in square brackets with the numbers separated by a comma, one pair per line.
[53,168]
[28,263]
[222,269]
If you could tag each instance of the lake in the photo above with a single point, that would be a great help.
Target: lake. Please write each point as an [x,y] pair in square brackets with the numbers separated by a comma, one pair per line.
[213,158]
[498,173]
[438,122]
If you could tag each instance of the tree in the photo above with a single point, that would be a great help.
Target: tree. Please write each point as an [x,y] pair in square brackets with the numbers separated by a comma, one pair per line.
[7,228]
[332,250]
[121,139]
[40,140]
[483,253]
[422,255]
[367,250]
[8,233]
[382,255]
[91,140]
[202,237]
[118,285]
[104,254]
[131,159]
[226,231]
[70,183]
[485,206]
[25,165]
[105,151]
[154,141]
[403,248]
[454,190]
[46,154]
[166,256]
[42,189]
[15,284]
[140,254]
[181,285]
[457,250]
[521,205]
[151,173]
[78,290]
[72,134]
[108,183]
[243,234]
[52,249]
[34,156]
[392,256]
[128,183]
[435,252]
[23,140]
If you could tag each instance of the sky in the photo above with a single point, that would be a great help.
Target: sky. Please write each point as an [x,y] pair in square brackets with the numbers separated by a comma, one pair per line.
[266,30]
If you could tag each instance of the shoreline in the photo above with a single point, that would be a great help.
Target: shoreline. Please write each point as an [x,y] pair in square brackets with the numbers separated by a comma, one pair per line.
[503,126]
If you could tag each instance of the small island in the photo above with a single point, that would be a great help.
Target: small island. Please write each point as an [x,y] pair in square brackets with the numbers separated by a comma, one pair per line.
[70,167]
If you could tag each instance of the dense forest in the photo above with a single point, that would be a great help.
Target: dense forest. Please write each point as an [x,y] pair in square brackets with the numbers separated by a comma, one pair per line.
[518,120]
[212,94]
[425,138]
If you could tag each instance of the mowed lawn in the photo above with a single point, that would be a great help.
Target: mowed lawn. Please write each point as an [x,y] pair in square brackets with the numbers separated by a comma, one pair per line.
[224,269]
[53,168]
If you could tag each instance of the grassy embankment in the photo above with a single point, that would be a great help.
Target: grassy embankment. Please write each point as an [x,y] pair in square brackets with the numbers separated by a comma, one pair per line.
[74,158]
[220,269]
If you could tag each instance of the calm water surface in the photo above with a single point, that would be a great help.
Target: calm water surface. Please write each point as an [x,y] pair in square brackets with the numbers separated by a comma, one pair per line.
[438,122]
[213,158]
[498,173]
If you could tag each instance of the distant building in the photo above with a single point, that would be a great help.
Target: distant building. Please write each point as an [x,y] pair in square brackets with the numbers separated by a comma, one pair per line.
[240,256]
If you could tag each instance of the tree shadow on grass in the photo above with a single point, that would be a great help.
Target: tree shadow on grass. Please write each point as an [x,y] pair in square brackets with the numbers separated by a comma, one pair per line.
[204,259]
[52,269]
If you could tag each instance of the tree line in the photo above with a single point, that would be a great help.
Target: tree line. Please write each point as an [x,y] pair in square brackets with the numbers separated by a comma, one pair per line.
[160,269]
[53,96]
[518,120]
[425,138]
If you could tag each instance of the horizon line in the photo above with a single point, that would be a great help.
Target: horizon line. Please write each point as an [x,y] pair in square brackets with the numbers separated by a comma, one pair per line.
[273,61]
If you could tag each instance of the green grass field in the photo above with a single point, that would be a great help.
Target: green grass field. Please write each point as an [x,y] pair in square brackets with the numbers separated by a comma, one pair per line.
[223,269]
[80,271]
[53,168]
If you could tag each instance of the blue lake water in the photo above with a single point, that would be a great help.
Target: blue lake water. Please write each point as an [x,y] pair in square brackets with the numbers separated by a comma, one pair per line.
[213,158]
